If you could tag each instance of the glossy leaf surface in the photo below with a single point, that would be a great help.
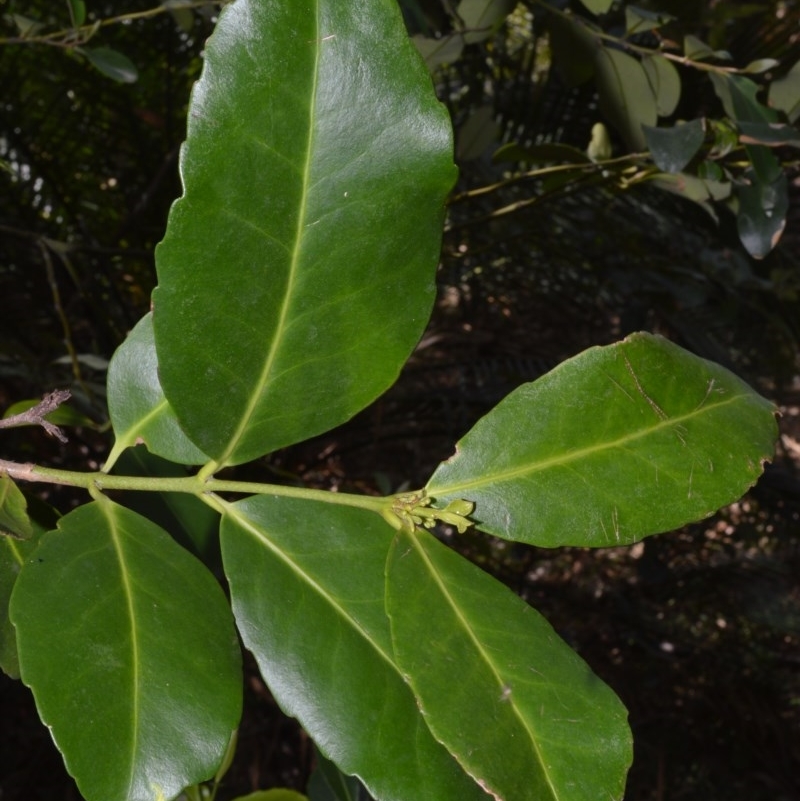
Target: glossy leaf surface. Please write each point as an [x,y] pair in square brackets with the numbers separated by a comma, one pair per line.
[125,638]
[307,588]
[297,272]
[137,406]
[513,702]
[615,444]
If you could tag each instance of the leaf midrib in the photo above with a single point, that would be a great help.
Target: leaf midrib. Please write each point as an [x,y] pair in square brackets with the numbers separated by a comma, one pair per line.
[135,657]
[468,629]
[281,327]
[573,456]
[305,577]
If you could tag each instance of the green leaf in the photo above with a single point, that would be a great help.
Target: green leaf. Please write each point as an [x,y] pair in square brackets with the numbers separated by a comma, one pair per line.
[77,12]
[626,97]
[615,444]
[64,415]
[19,536]
[522,713]
[328,783]
[136,404]
[761,217]
[477,134]
[697,50]
[307,588]
[126,638]
[598,6]
[482,18]
[760,65]
[436,52]
[739,97]
[112,64]
[25,25]
[772,134]
[192,523]
[297,272]
[14,518]
[694,188]
[574,49]
[673,148]
[181,12]
[277,794]
[665,81]
[784,93]
[640,20]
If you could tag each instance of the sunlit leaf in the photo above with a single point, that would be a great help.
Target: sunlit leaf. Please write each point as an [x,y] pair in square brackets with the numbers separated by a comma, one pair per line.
[626,97]
[297,272]
[126,639]
[613,445]
[111,63]
[673,148]
[307,588]
[522,713]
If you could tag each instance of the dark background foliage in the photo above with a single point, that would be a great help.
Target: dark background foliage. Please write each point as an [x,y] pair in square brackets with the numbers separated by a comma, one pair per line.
[697,630]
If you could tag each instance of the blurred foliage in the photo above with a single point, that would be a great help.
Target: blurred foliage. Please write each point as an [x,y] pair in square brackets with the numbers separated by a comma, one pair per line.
[698,631]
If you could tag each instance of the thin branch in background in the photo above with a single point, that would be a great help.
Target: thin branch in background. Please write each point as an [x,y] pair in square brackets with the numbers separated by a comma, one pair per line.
[65,327]
[35,416]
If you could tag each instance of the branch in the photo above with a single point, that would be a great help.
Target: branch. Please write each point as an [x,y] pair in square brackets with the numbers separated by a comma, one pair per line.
[35,416]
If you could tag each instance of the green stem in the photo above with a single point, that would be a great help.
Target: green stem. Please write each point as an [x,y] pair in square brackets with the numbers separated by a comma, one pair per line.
[193,485]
